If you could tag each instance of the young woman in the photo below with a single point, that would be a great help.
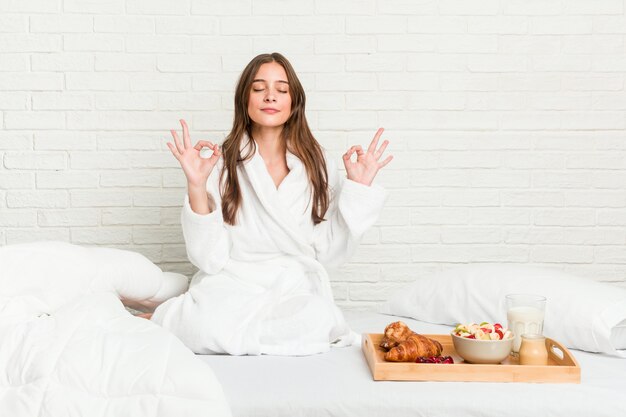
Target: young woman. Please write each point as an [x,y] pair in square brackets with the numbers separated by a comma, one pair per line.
[263,217]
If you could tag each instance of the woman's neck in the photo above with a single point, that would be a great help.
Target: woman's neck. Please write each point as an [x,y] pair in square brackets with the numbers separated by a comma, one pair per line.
[270,143]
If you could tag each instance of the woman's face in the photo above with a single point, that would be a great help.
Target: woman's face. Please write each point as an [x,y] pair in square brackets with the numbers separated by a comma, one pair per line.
[269,104]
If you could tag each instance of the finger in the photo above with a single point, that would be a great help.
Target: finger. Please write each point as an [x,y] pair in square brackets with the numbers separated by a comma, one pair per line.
[385,162]
[374,143]
[203,144]
[186,138]
[347,159]
[359,151]
[173,150]
[216,154]
[380,151]
[177,141]
[349,152]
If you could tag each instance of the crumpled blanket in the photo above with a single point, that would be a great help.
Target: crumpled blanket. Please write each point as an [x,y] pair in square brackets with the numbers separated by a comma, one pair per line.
[68,347]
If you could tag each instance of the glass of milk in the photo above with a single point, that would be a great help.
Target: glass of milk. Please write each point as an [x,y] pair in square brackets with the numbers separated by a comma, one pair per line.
[524,313]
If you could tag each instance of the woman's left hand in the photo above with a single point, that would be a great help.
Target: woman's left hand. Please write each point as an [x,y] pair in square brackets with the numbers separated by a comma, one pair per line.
[366,166]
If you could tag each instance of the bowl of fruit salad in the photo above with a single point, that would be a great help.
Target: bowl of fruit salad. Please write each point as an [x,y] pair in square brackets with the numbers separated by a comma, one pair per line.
[482,342]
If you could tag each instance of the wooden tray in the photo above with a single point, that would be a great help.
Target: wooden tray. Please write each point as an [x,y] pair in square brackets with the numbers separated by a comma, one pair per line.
[562,366]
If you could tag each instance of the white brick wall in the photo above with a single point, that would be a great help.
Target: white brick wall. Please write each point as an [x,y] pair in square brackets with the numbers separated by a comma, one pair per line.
[507,119]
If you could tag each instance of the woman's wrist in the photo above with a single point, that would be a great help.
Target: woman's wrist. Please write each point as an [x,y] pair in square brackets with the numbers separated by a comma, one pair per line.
[199,199]
[196,188]
[361,181]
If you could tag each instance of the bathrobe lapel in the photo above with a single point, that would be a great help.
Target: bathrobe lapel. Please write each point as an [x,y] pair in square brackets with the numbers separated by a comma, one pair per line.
[284,229]
[283,219]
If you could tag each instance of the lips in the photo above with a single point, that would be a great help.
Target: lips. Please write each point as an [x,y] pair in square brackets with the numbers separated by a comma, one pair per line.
[270,110]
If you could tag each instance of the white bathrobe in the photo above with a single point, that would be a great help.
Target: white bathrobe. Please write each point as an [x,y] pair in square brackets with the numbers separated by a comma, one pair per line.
[262,286]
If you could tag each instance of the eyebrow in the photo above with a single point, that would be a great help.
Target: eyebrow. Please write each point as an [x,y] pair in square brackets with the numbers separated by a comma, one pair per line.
[262,80]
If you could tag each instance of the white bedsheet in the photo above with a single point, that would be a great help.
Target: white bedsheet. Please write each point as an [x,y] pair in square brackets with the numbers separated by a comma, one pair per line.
[339,383]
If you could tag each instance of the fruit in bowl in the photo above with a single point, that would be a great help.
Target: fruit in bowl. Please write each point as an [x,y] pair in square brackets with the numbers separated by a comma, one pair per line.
[482,331]
[482,343]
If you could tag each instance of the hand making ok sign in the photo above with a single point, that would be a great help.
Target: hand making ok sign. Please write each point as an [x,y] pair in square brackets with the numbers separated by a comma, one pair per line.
[366,166]
[197,169]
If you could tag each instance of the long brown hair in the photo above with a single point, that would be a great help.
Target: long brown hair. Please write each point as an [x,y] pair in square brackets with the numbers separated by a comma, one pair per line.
[295,134]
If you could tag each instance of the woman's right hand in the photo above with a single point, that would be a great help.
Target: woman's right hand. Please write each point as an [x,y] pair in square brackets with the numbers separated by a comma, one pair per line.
[196,168]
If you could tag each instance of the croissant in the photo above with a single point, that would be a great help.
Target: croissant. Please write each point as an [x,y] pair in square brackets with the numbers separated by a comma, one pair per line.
[414,347]
[395,333]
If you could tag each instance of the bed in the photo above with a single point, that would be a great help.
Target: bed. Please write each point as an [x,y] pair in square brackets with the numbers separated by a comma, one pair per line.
[339,383]
[68,347]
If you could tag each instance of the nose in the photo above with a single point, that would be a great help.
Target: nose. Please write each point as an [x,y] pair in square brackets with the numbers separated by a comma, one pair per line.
[269,97]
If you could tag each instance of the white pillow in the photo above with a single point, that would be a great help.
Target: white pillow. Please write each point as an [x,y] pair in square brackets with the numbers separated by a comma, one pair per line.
[580,313]
[48,274]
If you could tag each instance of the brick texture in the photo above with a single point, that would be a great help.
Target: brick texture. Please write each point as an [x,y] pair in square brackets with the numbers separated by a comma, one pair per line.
[507,119]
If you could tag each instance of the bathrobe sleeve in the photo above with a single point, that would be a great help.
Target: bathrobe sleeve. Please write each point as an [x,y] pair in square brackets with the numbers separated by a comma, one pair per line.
[353,209]
[206,237]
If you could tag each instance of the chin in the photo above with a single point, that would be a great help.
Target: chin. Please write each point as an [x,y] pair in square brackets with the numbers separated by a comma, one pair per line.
[268,122]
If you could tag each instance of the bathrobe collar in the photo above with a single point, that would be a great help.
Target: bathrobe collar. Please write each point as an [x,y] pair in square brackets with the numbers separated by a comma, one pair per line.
[276,205]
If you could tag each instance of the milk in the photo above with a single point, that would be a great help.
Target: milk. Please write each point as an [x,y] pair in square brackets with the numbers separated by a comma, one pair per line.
[522,320]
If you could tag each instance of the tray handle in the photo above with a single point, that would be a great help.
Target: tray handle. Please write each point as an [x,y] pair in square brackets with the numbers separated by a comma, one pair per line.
[558,353]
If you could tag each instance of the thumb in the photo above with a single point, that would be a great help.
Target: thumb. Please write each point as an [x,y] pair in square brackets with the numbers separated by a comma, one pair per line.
[347,165]
[217,154]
